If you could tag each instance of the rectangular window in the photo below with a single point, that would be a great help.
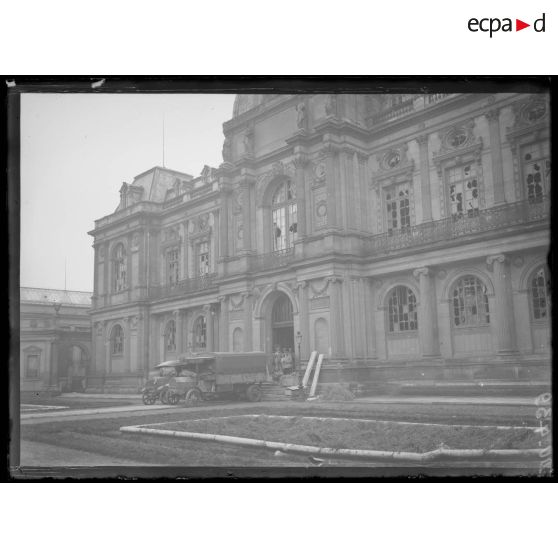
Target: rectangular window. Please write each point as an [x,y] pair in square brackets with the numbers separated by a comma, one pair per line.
[398,211]
[173,266]
[536,172]
[203,259]
[32,366]
[463,191]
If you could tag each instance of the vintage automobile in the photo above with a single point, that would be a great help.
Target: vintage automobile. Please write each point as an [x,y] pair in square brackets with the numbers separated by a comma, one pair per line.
[157,385]
[209,376]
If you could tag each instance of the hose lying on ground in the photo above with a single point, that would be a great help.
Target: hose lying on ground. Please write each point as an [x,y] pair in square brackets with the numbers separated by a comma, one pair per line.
[372,455]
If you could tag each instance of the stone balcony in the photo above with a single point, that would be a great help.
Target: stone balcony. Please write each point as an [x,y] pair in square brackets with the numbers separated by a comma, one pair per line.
[408,107]
[271,260]
[516,215]
[185,287]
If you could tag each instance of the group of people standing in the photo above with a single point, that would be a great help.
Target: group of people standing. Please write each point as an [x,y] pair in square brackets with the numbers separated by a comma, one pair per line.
[283,362]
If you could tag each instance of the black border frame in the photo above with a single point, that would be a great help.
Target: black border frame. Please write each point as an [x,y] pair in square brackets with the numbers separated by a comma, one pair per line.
[14,86]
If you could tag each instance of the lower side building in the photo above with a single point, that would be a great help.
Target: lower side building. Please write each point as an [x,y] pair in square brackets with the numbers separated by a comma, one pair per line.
[55,339]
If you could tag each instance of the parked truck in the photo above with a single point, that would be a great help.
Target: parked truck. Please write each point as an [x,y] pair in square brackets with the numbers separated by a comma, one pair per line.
[207,376]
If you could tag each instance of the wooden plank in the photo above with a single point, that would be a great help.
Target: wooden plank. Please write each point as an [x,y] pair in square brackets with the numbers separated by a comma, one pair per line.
[309,368]
[316,376]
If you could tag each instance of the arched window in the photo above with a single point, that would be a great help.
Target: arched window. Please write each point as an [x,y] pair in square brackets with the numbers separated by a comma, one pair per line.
[237,340]
[119,268]
[540,294]
[470,302]
[402,310]
[170,336]
[116,340]
[283,216]
[200,333]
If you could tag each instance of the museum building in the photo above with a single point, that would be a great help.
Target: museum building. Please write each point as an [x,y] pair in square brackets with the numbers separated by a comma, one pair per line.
[402,236]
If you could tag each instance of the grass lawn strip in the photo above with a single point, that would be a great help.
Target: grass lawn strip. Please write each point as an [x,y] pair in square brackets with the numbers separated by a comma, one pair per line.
[383,436]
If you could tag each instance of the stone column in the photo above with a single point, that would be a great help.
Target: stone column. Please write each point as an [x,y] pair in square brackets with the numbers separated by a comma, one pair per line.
[127,345]
[177,316]
[107,272]
[246,188]
[370,339]
[208,311]
[224,222]
[503,304]
[422,141]
[428,316]
[107,353]
[336,318]
[359,310]
[300,161]
[493,117]
[247,321]
[304,318]
[224,327]
[331,186]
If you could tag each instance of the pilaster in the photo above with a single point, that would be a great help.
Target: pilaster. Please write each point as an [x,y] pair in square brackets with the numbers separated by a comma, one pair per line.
[224,327]
[426,195]
[493,117]
[428,319]
[503,304]
[248,321]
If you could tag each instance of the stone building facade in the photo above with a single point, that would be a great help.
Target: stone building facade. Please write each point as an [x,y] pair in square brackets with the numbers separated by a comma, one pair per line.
[403,236]
[55,339]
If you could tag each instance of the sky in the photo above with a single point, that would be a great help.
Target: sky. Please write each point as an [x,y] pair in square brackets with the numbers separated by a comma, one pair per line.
[77,149]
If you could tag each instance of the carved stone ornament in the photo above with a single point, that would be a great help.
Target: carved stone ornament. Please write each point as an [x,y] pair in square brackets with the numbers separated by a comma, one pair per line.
[319,171]
[321,209]
[171,234]
[319,290]
[135,240]
[237,301]
[393,163]
[301,118]
[101,252]
[458,136]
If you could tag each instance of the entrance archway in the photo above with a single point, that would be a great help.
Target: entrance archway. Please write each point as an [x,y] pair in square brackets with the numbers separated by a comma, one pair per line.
[282,326]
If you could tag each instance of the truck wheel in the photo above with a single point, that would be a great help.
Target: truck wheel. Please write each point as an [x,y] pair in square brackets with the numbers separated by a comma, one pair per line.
[173,398]
[148,399]
[193,397]
[254,393]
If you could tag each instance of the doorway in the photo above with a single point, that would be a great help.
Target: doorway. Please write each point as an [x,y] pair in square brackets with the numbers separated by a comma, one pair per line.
[282,326]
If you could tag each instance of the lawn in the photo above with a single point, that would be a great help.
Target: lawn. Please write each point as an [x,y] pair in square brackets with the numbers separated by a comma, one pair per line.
[100,434]
[360,434]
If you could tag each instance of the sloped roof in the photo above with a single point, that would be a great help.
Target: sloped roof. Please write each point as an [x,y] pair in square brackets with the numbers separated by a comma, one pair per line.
[50,296]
